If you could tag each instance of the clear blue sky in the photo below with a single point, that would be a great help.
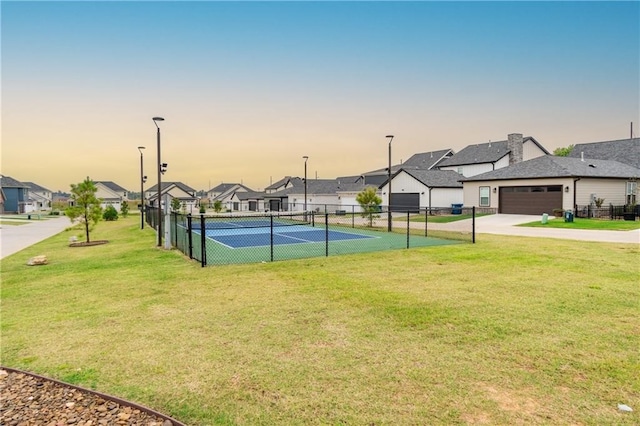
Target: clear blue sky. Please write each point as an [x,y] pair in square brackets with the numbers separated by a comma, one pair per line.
[248,88]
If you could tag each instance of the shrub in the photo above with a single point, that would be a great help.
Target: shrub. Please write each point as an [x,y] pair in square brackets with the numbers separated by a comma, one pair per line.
[110,213]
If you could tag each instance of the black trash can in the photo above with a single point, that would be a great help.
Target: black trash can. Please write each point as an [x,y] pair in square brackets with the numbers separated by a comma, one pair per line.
[456,208]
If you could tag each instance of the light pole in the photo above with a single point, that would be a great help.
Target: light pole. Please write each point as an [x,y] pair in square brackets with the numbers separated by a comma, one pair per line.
[389,188]
[159,225]
[305,186]
[143,179]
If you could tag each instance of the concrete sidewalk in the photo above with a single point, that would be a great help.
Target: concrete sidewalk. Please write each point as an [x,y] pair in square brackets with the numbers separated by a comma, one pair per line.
[14,238]
[505,224]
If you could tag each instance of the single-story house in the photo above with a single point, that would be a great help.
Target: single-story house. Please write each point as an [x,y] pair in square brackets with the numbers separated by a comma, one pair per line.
[179,190]
[485,157]
[111,194]
[415,189]
[243,201]
[543,184]
[224,193]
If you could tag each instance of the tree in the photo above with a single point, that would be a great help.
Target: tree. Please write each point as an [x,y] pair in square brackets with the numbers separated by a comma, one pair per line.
[110,213]
[217,206]
[563,152]
[86,206]
[175,205]
[124,208]
[370,203]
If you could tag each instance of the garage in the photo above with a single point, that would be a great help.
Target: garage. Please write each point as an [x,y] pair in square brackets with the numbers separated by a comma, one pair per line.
[401,202]
[530,199]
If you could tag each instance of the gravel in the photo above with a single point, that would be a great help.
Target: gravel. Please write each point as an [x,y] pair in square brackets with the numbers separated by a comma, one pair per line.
[32,400]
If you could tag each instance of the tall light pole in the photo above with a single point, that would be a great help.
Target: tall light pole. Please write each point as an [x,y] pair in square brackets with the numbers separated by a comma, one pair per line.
[159,225]
[305,186]
[389,188]
[143,179]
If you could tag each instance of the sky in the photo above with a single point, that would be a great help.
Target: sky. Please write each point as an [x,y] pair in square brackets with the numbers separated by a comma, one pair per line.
[249,88]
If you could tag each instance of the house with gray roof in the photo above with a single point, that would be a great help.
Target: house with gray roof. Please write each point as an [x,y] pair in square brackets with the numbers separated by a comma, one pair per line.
[416,188]
[111,194]
[171,190]
[421,161]
[321,195]
[626,151]
[243,201]
[485,157]
[16,195]
[545,183]
[224,193]
[40,197]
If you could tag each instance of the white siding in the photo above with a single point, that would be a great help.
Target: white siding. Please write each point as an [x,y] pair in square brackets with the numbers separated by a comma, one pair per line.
[473,169]
[442,197]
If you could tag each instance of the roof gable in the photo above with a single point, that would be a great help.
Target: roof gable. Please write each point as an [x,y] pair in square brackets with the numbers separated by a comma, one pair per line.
[36,187]
[9,182]
[111,185]
[489,152]
[427,160]
[436,178]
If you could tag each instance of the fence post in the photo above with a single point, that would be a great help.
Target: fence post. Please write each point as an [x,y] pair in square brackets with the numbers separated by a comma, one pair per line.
[271,236]
[189,230]
[426,220]
[353,216]
[203,242]
[473,224]
[326,233]
[408,228]
[175,229]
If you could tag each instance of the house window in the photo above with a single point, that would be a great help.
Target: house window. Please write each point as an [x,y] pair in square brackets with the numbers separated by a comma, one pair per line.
[484,196]
[460,170]
[632,188]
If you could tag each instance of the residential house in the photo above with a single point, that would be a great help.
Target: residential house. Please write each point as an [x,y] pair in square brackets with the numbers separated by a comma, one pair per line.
[111,194]
[224,193]
[243,201]
[16,195]
[416,188]
[171,190]
[284,183]
[422,161]
[40,197]
[321,195]
[545,183]
[485,157]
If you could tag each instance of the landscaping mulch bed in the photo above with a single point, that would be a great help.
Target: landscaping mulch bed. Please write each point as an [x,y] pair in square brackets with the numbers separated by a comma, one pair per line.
[29,400]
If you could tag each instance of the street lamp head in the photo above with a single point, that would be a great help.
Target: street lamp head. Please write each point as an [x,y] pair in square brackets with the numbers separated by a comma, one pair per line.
[155,121]
[140,148]
[390,137]
[306,157]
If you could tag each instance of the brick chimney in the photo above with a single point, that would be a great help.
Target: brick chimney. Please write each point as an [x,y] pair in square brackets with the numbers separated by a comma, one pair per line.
[514,145]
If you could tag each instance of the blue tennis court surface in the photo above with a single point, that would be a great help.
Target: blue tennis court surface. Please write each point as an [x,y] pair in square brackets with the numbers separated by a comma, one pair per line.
[258,237]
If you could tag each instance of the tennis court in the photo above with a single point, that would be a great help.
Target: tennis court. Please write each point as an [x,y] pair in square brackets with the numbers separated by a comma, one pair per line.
[294,236]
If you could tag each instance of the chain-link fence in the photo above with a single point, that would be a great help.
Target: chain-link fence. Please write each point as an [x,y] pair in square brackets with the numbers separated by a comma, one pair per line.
[266,237]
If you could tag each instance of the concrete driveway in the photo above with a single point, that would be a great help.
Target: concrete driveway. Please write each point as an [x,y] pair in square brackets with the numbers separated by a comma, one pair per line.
[505,224]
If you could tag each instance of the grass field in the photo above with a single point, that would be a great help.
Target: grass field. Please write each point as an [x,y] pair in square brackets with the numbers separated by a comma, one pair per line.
[441,218]
[507,331]
[580,223]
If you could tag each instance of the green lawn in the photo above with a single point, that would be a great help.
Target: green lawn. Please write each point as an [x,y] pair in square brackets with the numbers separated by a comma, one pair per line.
[580,223]
[510,330]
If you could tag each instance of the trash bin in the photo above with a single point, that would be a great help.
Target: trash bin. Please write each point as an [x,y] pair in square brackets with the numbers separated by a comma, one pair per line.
[456,208]
[28,217]
[545,218]
[568,216]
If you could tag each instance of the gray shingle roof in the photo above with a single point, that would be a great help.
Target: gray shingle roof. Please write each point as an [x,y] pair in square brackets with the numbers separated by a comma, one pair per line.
[250,195]
[437,178]
[295,181]
[550,166]
[320,186]
[9,182]
[111,185]
[223,187]
[165,185]
[36,187]
[489,152]
[624,150]
[426,160]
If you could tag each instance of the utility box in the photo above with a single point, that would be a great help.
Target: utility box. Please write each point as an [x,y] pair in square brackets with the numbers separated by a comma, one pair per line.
[545,218]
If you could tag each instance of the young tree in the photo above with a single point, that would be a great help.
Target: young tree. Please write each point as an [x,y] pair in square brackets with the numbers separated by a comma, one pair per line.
[86,206]
[217,206]
[175,205]
[563,152]
[370,203]
[124,208]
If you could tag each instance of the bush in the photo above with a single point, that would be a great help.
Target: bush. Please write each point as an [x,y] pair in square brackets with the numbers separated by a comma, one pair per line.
[110,213]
